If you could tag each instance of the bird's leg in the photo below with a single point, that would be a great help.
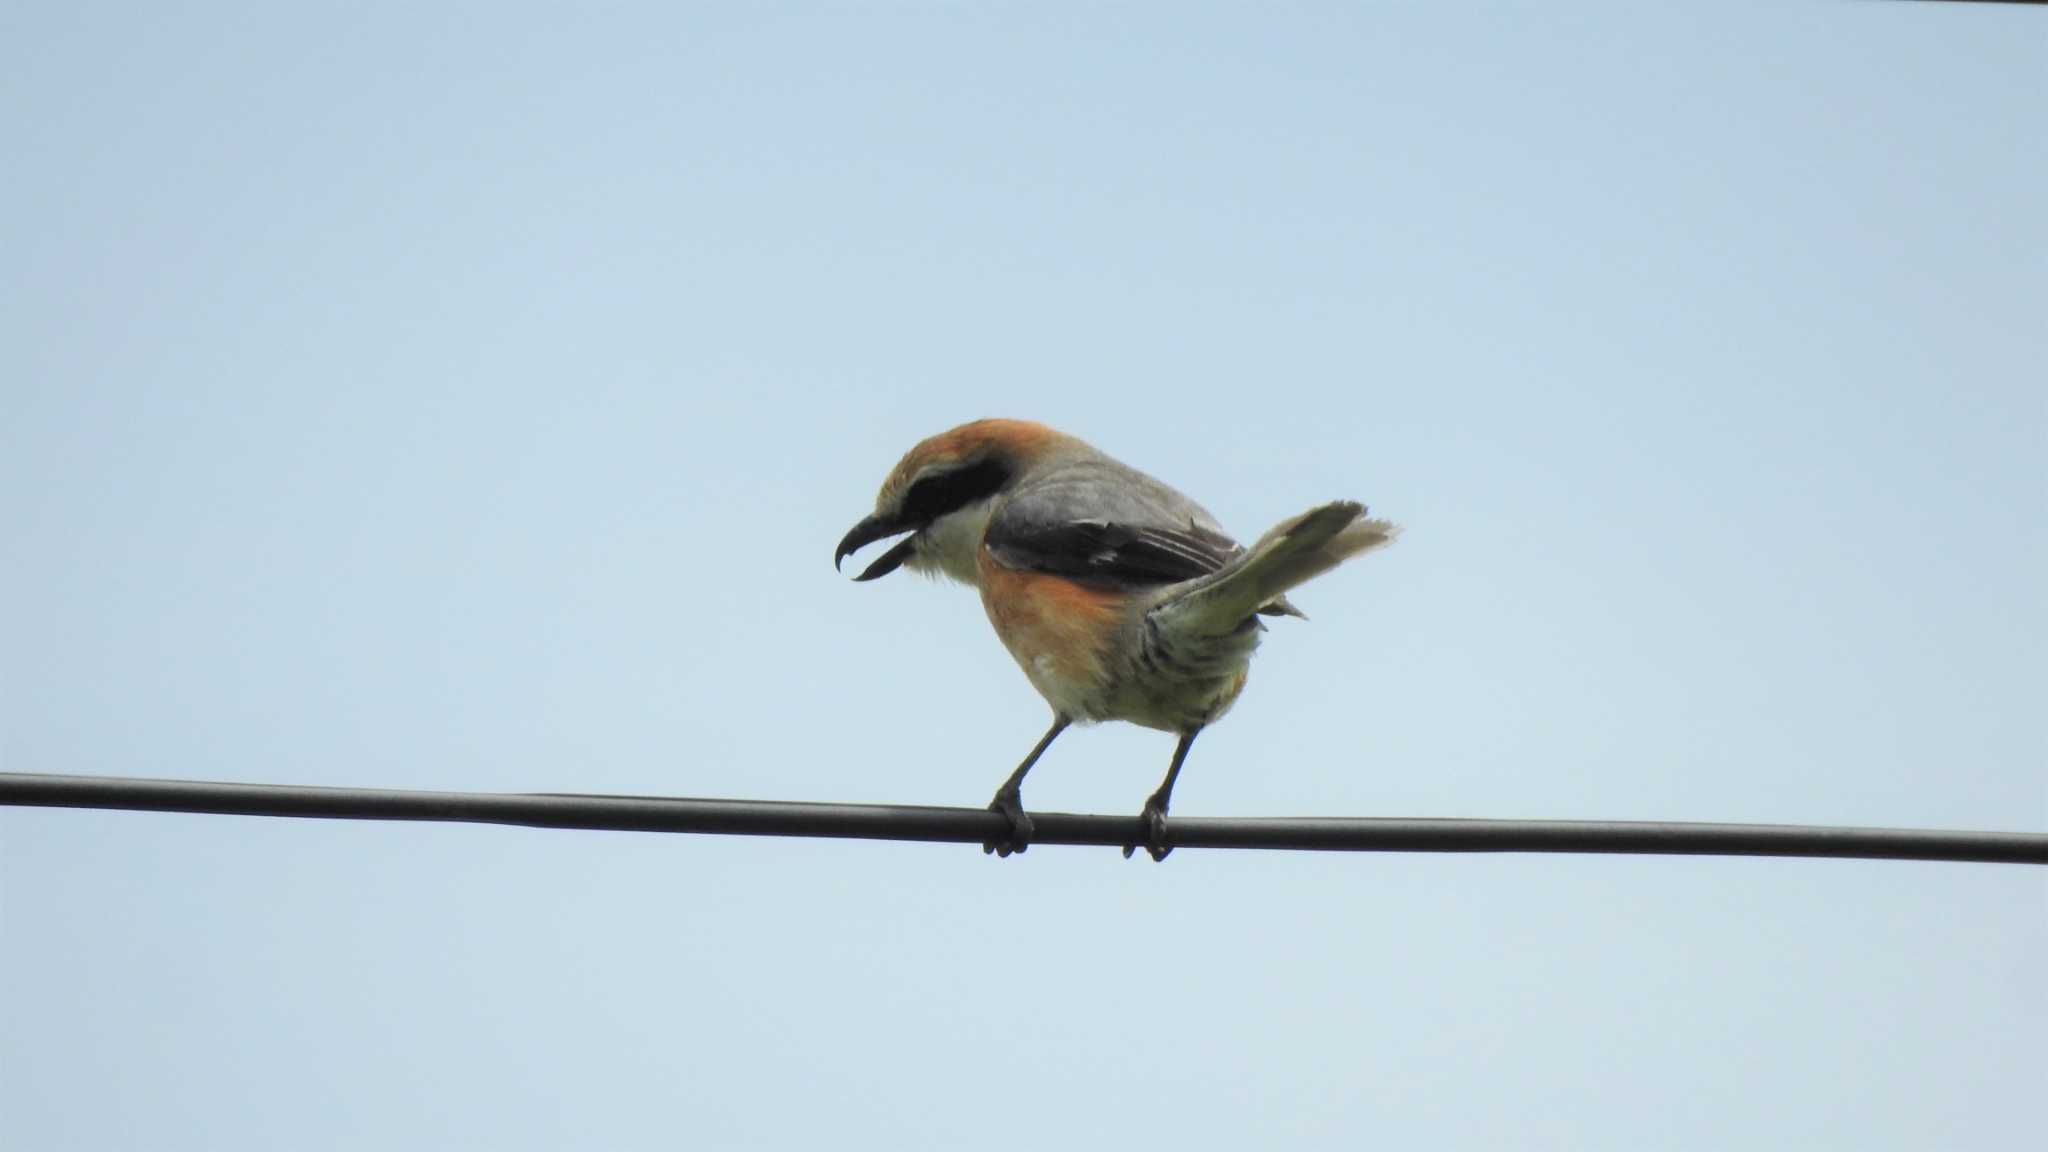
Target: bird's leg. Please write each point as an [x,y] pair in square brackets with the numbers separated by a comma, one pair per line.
[1155,805]
[1010,797]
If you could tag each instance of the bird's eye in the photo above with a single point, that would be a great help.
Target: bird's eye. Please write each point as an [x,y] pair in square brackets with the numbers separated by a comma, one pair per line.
[936,495]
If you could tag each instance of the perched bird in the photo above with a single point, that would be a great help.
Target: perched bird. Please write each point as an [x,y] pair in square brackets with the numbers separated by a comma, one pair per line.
[1121,598]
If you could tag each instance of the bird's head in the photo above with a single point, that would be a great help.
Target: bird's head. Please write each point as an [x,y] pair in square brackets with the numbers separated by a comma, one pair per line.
[940,495]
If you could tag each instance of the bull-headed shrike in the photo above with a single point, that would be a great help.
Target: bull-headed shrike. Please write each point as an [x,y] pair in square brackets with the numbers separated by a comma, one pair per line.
[1121,598]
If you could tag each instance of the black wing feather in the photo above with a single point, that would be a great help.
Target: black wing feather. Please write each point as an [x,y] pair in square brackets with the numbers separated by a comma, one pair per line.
[1101,551]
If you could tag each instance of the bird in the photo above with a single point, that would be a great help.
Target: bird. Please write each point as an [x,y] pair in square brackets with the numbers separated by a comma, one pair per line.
[1120,597]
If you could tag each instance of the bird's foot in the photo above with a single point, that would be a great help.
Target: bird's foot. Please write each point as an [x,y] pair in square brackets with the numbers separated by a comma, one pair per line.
[1010,802]
[1154,818]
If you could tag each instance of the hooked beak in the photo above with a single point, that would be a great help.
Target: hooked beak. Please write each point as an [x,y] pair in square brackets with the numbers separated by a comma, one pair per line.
[867,532]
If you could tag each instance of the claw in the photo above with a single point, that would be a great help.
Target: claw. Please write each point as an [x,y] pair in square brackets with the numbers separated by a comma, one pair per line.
[1154,817]
[1010,802]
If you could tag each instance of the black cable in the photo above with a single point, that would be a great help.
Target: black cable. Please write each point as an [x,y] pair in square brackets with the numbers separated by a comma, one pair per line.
[974,825]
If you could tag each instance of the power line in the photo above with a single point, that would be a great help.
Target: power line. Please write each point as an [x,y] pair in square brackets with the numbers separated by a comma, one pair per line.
[975,825]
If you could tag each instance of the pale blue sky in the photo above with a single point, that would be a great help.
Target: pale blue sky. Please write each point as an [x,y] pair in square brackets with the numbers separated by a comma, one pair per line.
[471,399]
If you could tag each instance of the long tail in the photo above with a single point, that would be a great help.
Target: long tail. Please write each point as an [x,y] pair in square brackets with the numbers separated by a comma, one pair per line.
[1294,552]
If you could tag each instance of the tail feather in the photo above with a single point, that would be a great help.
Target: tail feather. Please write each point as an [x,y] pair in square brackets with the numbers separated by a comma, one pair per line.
[1294,552]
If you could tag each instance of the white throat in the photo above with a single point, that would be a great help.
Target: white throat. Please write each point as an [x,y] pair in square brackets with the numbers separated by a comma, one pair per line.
[951,543]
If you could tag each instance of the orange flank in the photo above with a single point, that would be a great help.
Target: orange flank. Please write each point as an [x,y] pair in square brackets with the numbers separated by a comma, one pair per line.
[1053,626]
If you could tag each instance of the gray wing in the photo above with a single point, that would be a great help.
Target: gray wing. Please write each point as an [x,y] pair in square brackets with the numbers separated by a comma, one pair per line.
[1105,524]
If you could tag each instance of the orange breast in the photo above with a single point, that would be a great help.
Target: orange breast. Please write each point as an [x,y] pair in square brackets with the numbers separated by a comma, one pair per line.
[1053,626]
